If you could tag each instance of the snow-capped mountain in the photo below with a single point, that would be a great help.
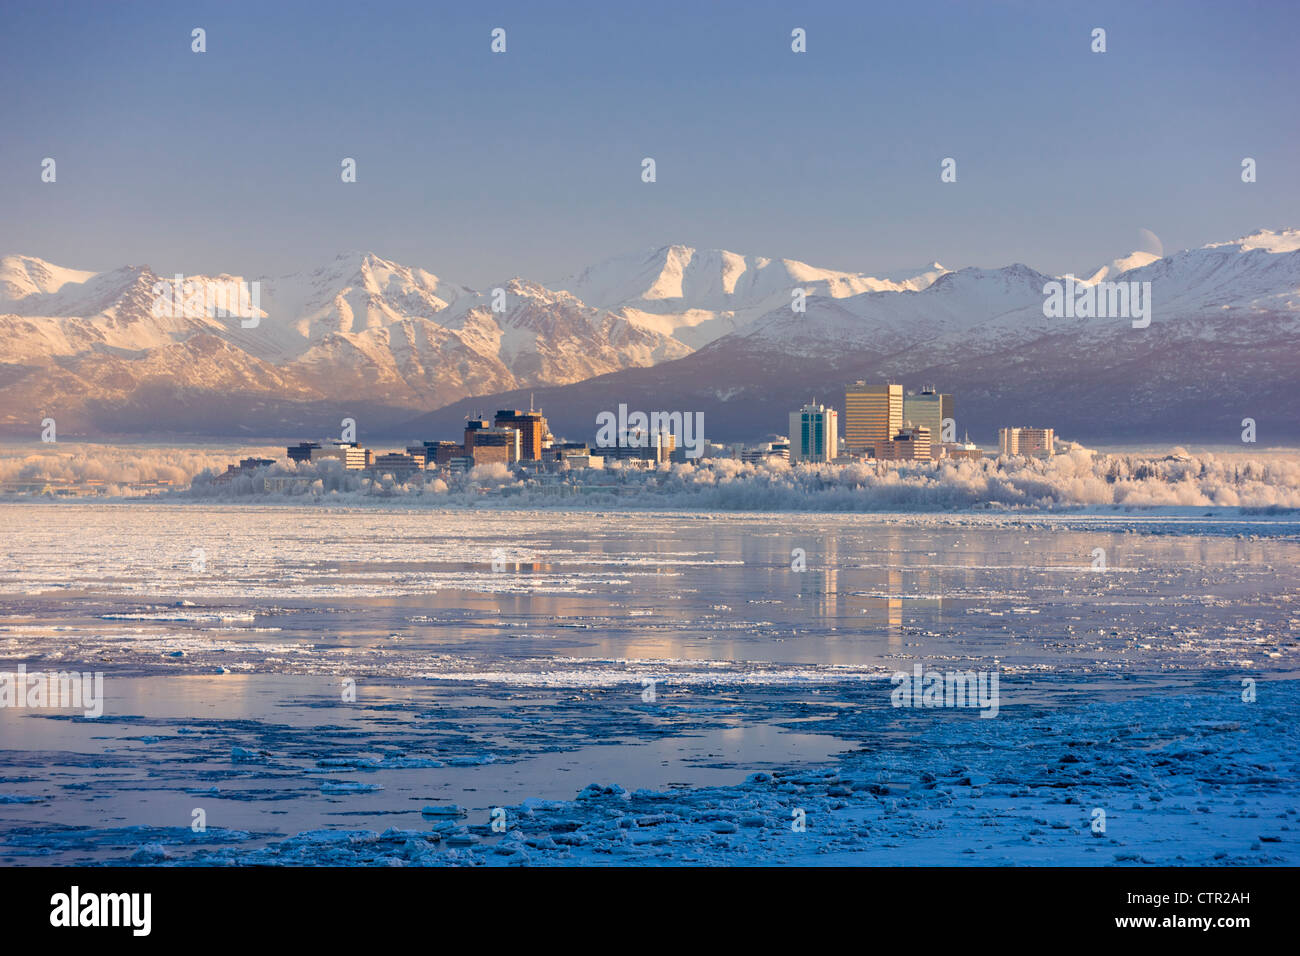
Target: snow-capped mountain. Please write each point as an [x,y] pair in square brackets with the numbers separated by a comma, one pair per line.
[698,295]
[355,293]
[25,278]
[674,328]
[1117,267]
[359,326]
[1223,344]
[49,313]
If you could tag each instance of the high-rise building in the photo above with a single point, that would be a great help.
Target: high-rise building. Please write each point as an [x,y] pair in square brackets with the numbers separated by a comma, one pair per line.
[872,413]
[1026,441]
[814,433]
[493,444]
[472,427]
[533,432]
[928,408]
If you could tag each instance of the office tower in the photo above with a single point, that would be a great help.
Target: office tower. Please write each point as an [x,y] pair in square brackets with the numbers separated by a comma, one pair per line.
[928,408]
[814,433]
[872,413]
[493,445]
[472,427]
[533,433]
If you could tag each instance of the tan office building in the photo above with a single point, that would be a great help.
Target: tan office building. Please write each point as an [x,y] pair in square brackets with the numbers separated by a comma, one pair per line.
[872,413]
[1026,441]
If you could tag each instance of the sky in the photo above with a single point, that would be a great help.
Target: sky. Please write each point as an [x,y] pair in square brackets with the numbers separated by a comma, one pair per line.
[479,166]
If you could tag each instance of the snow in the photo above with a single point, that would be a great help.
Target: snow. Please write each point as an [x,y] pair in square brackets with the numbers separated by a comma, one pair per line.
[419,342]
[1117,267]
[24,276]
[1284,240]
[700,295]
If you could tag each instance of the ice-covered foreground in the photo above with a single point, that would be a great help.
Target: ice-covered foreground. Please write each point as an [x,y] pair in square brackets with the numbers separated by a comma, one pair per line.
[504,660]
[1077,775]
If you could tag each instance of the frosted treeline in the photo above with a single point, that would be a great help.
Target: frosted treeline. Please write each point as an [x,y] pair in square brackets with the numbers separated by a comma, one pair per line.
[1074,479]
[117,465]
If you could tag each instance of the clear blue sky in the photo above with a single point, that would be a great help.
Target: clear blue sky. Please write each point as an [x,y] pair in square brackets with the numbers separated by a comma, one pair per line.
[480,166]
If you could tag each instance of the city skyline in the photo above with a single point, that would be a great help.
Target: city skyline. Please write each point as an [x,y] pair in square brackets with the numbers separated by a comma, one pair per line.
[891,422]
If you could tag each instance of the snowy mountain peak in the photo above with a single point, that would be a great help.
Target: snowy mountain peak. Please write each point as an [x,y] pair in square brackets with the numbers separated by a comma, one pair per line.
[915,279]
[22,276]
[1276,241]
[1117,267]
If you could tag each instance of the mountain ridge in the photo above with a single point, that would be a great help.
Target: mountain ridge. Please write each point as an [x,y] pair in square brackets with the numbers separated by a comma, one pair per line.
[706,326]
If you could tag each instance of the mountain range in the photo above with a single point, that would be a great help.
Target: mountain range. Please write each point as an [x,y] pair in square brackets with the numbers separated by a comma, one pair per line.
[409,355]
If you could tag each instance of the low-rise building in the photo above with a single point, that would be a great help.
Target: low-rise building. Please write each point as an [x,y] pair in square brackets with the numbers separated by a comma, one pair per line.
[303,451]
[638,445]
[764,451]
[398,464]
[246,466]
[440,452]
[352,456]
[910,443]
[959,450]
